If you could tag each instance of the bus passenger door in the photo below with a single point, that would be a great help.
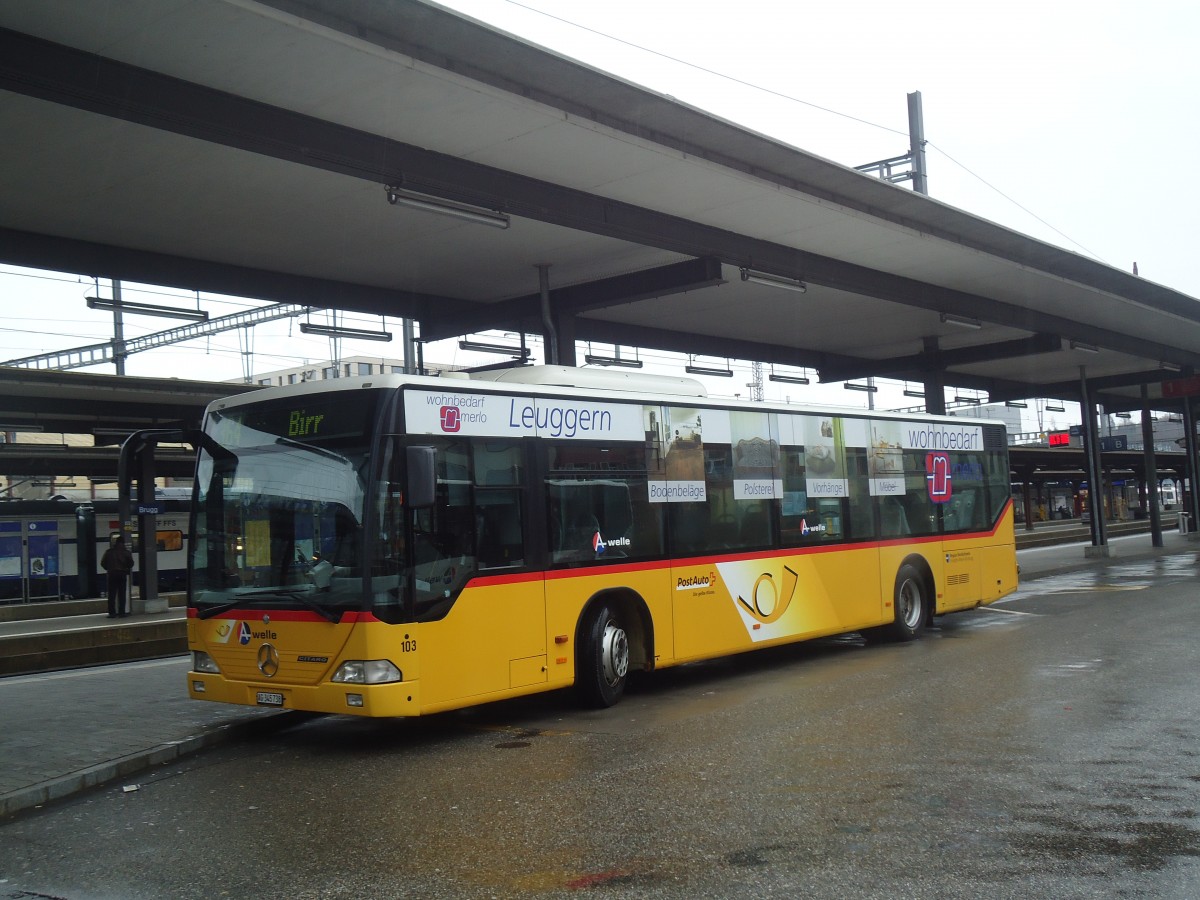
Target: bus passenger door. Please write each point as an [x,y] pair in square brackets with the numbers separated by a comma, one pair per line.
[484,612]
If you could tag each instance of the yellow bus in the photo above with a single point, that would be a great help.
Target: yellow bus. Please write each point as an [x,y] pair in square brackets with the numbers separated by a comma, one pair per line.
[398,545]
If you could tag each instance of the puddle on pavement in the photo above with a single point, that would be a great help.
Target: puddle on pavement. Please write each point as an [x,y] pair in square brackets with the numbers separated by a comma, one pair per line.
[1142,846]
[1136,576]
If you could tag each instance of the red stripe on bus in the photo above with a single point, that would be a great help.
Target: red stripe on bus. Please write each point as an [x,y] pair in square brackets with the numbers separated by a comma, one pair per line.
[275,615]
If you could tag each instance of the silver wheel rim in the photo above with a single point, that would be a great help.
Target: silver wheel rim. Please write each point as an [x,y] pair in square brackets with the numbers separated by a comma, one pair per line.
[908,598]
[614,653]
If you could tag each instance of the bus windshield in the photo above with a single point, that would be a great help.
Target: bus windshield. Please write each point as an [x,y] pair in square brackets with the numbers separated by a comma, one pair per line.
[280,513]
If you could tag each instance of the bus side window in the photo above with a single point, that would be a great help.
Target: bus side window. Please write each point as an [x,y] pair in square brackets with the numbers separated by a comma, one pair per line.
[443,552]
[598,505]
[968,507]
[962,512]
[690,531]
[499,535]
[861,505]
[499,539]
[893,519]
[997,475]
[807,520]
[734,524]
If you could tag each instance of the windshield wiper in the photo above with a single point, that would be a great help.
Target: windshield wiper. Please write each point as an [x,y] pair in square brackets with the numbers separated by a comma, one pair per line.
[300,596]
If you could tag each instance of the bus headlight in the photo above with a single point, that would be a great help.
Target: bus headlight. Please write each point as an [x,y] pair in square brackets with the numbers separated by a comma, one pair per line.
[202,662]
[367,671]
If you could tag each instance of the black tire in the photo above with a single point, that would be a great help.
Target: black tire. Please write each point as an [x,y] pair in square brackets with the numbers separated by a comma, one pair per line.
[910,602]
[602,661]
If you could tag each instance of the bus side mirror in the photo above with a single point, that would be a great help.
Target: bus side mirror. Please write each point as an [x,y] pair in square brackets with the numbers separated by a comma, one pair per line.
[422,477]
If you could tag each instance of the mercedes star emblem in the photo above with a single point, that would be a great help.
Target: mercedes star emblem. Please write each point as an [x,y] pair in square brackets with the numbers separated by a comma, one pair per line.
[268,660]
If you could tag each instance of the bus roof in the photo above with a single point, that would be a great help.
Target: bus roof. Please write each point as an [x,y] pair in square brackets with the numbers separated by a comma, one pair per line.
[565,380]
[601,379]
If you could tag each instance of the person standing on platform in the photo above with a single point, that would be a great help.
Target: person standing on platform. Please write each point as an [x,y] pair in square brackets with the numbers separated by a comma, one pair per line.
[117,561]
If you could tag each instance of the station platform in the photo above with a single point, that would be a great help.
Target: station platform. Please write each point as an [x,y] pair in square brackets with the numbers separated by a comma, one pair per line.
[85,724]
[43,637]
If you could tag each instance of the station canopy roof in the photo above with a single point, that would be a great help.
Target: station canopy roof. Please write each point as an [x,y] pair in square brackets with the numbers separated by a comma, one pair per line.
[245,147]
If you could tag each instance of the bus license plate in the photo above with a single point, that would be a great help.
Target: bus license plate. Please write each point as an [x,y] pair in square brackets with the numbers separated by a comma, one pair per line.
[270,698]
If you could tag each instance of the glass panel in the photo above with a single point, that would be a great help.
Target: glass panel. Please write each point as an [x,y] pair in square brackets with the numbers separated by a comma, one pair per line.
[727,521]
[910,513]
[861,508]
[324,419]
[389,582]
[825,484]
[498,528]
[815,505]
[279,520]
[498,515]
[599,505]
[498,463]
[798,518]
[10,567]
[996,470]
[967,508]
[753,462]
[443,554]
[43,565]
[169,540]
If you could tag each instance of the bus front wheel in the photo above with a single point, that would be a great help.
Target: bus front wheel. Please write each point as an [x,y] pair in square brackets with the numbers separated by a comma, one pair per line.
[603,662]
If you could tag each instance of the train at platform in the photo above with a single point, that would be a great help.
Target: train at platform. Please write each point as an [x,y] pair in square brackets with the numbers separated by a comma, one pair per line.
[50,549]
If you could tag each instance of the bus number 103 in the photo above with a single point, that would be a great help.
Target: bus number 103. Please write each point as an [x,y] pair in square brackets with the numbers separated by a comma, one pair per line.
[408,646]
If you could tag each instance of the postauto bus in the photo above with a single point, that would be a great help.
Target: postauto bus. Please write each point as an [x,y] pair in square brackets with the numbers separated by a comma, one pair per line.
[400,545]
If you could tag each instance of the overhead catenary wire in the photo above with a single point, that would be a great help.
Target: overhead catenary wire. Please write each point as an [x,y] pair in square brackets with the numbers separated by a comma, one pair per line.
[793,99]
[699,68]
[1019,206]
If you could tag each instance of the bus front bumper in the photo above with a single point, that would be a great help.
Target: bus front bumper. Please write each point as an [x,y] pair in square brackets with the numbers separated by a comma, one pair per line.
[378,700]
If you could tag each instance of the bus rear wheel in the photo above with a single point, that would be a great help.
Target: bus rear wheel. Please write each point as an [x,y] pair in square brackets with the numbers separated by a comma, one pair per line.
[603,661]
[911,605]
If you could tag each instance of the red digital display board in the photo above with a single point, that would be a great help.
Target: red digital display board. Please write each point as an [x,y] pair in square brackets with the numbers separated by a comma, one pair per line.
[1059,438]
[1181,387]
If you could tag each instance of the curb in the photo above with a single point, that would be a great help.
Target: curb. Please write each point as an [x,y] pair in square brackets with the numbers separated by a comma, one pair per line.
[88,606]
[93,776]
[51,651]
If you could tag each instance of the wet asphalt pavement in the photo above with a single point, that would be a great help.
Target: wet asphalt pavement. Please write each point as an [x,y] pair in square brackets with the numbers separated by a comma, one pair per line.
[1046,746]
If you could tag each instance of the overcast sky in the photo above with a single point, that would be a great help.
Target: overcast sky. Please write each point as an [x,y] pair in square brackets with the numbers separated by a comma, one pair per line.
[1071,123]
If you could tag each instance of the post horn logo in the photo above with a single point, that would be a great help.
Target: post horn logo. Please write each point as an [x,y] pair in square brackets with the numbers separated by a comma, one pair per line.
[768,601]
[268,660]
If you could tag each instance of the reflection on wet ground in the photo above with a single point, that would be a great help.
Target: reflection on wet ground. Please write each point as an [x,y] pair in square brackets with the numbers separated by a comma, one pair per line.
[1131,576]
[1142,846]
